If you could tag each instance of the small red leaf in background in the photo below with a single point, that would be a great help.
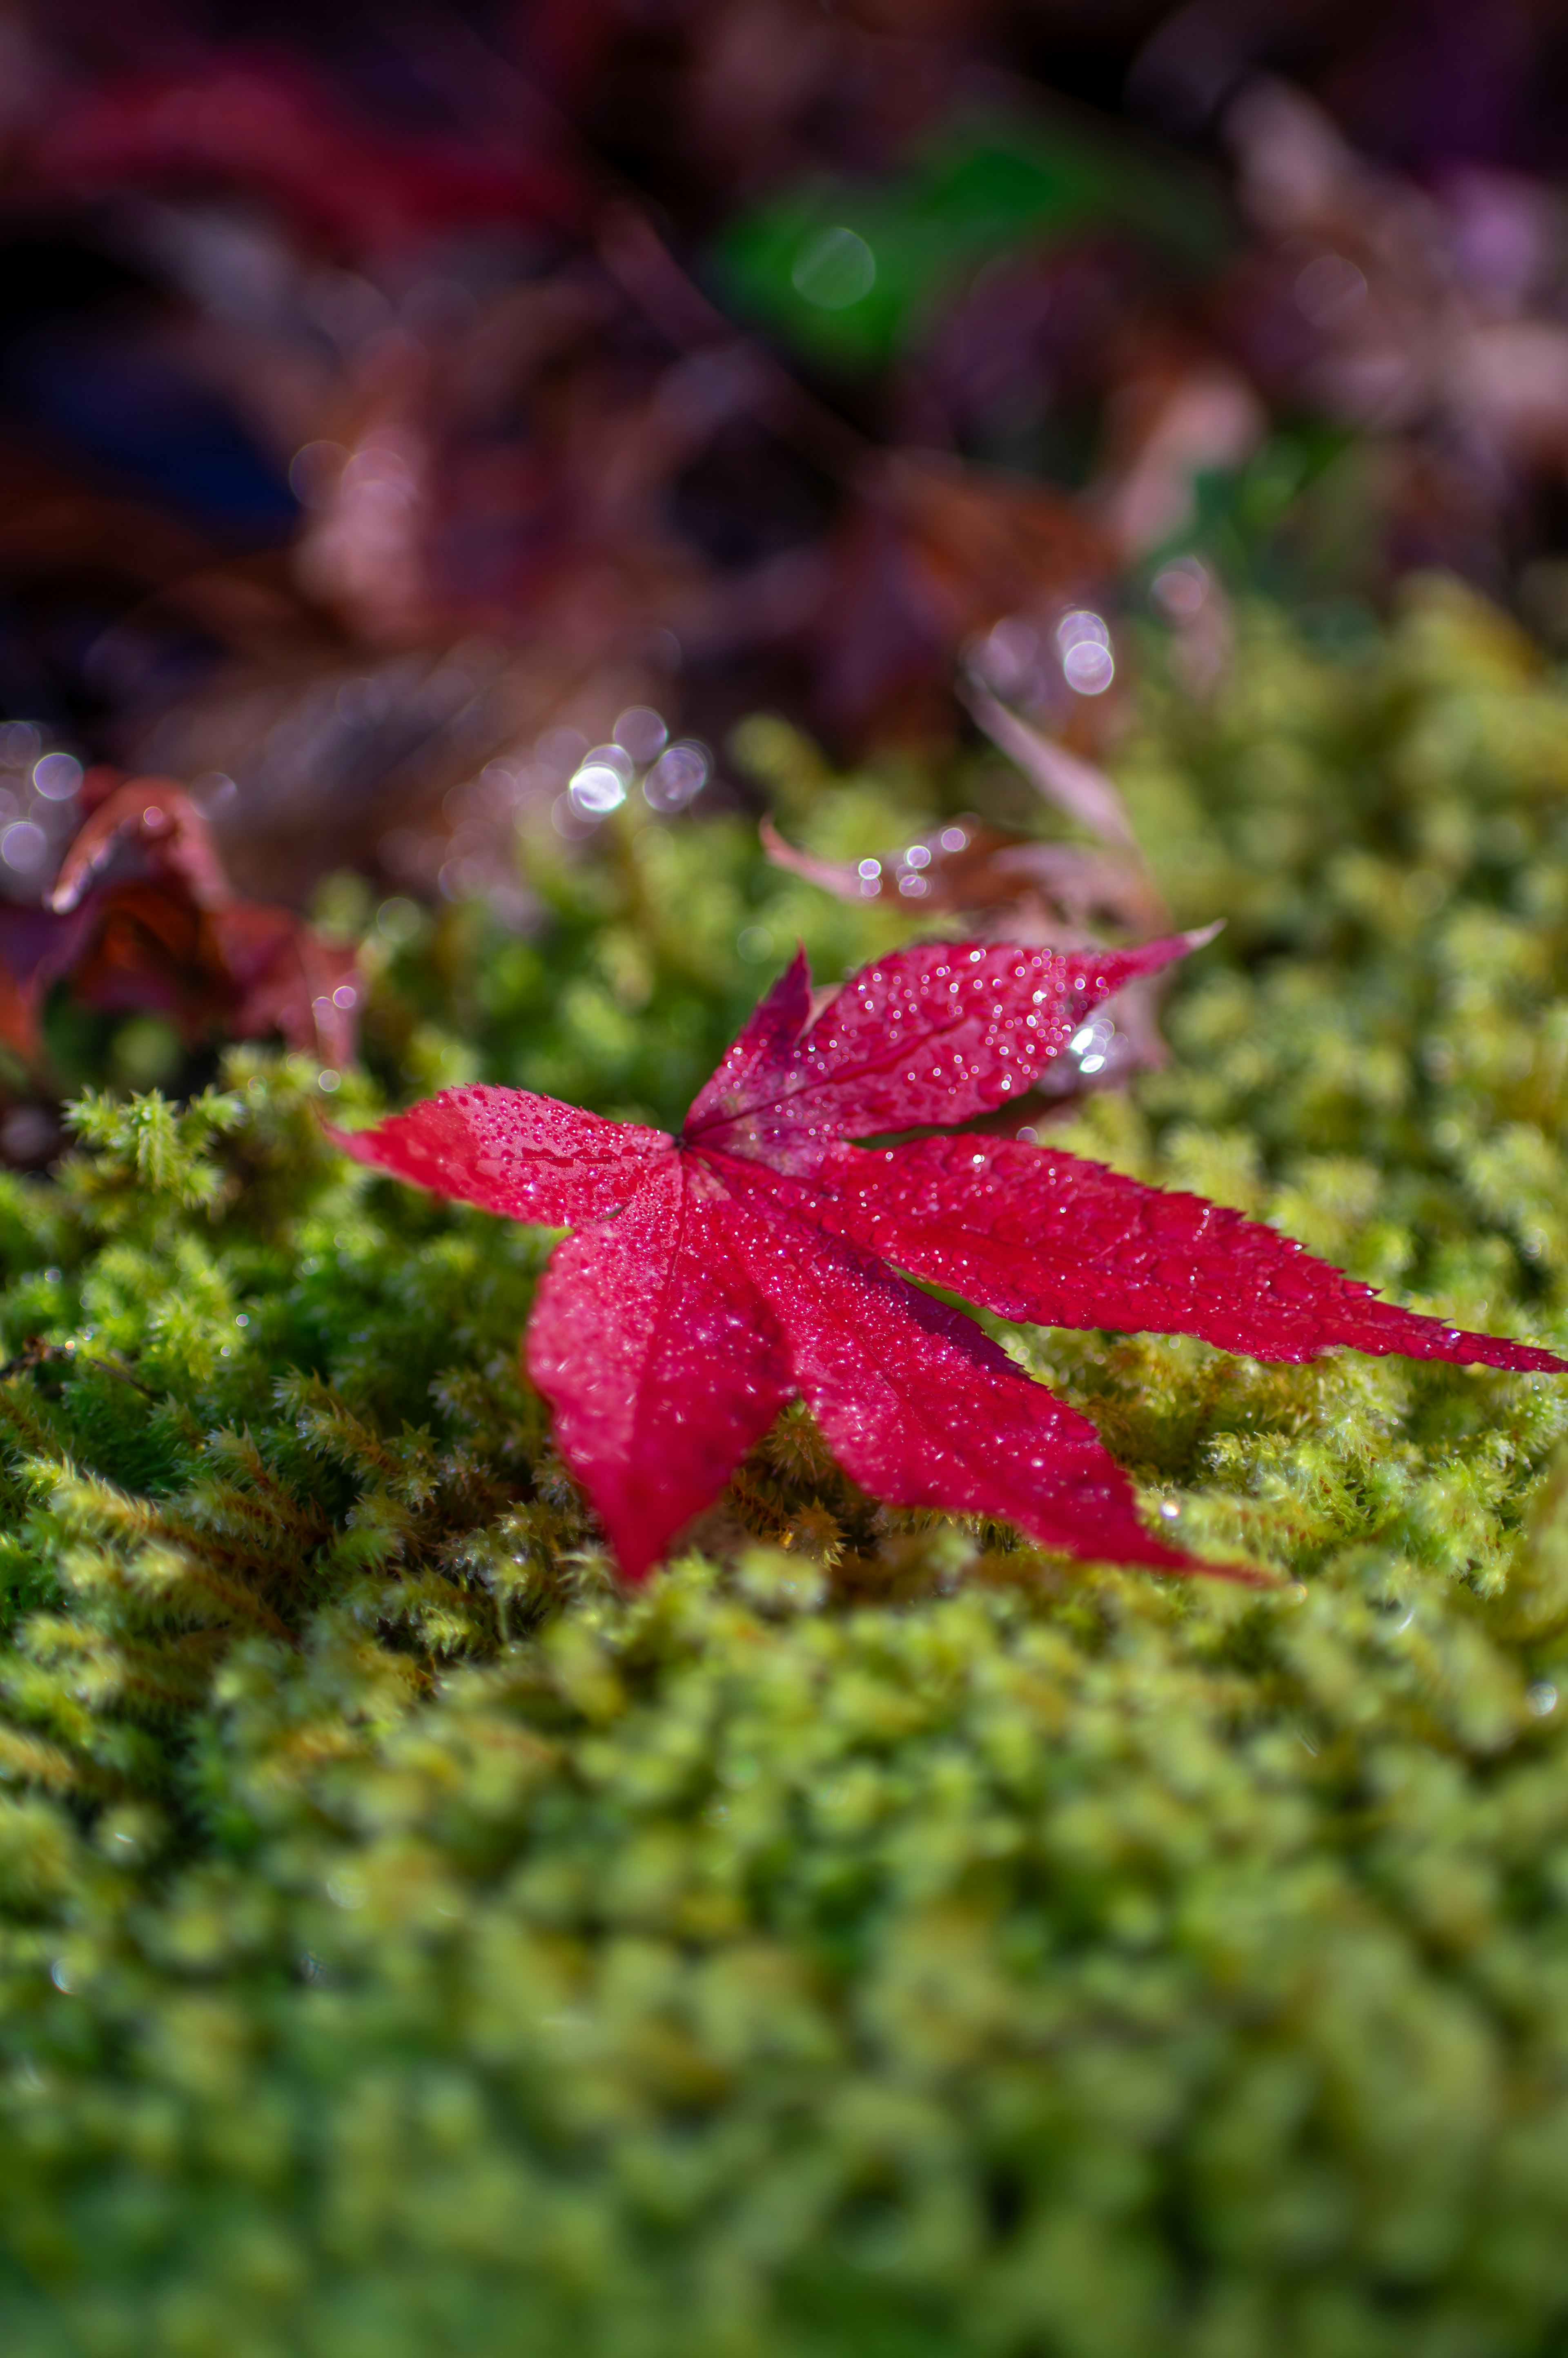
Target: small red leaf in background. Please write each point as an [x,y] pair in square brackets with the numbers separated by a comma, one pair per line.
[758,1256]
[142,918]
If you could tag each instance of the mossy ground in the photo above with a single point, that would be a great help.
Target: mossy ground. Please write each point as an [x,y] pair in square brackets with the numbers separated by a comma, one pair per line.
[875,1937]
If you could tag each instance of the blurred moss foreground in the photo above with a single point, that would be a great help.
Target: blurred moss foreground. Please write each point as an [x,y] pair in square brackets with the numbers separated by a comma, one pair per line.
[886,1943]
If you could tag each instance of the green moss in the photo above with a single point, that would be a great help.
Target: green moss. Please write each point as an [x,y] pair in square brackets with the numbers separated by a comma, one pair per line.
[875,1937]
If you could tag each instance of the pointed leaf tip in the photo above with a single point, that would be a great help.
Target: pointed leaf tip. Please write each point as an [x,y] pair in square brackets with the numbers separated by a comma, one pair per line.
[507,1151]
[759,1062]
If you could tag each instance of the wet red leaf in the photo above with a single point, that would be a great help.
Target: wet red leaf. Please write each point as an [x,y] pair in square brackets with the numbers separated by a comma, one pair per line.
[716,1275]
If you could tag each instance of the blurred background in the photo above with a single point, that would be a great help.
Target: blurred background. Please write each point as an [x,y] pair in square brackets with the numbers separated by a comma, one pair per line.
[438,441]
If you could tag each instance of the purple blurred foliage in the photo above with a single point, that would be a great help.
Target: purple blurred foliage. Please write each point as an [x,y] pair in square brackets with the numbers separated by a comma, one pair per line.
[372,434]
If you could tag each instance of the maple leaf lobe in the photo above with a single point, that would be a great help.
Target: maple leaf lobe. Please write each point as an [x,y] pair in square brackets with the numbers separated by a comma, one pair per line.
[510,1152]
[660,1357]
[920,1405]
[936,1034]
[1037,1234]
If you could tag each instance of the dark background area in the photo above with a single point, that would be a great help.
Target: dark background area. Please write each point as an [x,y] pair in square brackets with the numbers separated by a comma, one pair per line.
[392,401]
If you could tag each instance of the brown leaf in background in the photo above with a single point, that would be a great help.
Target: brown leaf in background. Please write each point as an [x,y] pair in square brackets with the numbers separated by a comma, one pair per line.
[1428,317]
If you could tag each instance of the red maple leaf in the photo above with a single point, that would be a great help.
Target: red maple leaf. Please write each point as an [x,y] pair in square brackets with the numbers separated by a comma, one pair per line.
[714,1276]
